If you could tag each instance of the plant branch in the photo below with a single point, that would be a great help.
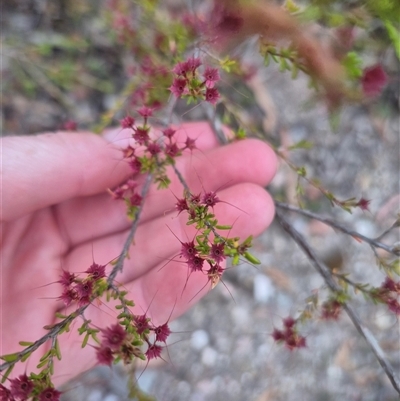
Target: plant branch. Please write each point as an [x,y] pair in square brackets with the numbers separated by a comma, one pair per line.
[324,271]
[52,334]
[125,250]
[334,224]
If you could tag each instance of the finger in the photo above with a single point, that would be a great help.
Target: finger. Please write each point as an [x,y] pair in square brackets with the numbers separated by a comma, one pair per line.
[46,169]
[250,209]
[245,161]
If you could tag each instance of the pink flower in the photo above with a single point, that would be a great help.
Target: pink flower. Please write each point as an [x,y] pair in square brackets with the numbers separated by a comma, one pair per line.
[141,323]
[21,387]
[188,250]
[96,271]
[153,148]
[169,132]
[190,144]
[171,149]
[211,75]
[84,292]
[210,199]
[66,279]
[104,355]
[193,63]
[363,204]
[181,68]
[178,87]
[217,252]
[141,135]
[373,80]
[162,332]
[113,336]
[127,122]
[49,394]
[195,263]
[5,394]
[135,165]
[181,205]
[145,111]
[69,295]
[154,351]
[212,95]
[135,200]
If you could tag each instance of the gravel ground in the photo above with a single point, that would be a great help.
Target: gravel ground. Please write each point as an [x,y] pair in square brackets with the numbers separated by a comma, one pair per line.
[222,348]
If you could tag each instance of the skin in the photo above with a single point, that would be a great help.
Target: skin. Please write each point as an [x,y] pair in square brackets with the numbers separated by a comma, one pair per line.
[56,214]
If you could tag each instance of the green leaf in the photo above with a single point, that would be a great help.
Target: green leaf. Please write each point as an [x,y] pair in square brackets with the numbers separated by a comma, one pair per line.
[353,65]
[394,36]
[5,375]
[57,350]
[85,340]
[25,343]
[303,144]
[9,357]
[252,259]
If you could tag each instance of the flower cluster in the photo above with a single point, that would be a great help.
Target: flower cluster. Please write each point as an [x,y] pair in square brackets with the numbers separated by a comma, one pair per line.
[189,83]
[289,335]
[210,249]
[331,309]
[24,388]
[149,154]
[80,290]
[122,341]
[388,293]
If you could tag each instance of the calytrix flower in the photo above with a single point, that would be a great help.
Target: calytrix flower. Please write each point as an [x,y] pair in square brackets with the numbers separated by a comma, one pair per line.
[96,271]
[153,352]
[104,355]
[5,394]
[141,135]
[211,76]
[21,387]
[135,199]
[373,80]
[181,205]
[141,322]
[113,336]
[178,87]
[68,296]
[195,264]
[217,252]
[212,95]
[67,278]
[127,122]
[181,68]
[135,165]
[331,309]
[169,132]
[188,250]
[289,335]
[363,204]
[190,144]
[145,111]
[172,150]
[154,148]
[50,394]
[84,292]
[210,199]
[193,63]
[162,332]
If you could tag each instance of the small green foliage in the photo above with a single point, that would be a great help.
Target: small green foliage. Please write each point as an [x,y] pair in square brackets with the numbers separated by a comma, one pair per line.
[353,65]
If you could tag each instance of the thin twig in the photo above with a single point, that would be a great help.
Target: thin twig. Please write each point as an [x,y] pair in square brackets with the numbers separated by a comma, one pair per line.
[334,224]
[53,333]
[125,250]
[326,274]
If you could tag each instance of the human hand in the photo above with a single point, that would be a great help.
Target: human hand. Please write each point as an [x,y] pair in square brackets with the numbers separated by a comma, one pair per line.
[56,214]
